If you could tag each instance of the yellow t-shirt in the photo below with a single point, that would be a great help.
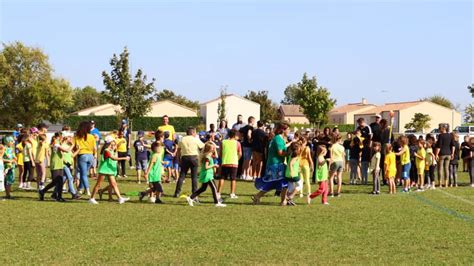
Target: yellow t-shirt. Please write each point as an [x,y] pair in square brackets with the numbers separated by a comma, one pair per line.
[303,161]
[41,153]
[337,152]
[34,145]
[121,144]
[168,128]
[390,165]
[405,157]
[190,146]
[420,164]
[86,146]
[19,156]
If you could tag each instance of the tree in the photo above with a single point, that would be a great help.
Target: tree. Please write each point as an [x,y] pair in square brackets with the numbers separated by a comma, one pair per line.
[292,94]
[471,89]
[179,99]
[315,101]
[469,113]
[86,97]
[28,91]
[419,122]
[441,100]
[221,110]
[268,109]
[133,95]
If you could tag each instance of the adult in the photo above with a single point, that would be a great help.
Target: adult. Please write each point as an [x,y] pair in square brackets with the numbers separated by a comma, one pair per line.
[188,152]
[274,177]
[223,129]
[166,127]
[246,141]
[259,141]
[239,124]
[128,137]
[86,151]
[376,129]
[444,153]
[96,133]
[365,130]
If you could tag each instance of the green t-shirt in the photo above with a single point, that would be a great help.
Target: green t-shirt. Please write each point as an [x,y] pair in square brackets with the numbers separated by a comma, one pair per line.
[294,172]
[107,165]
[67,156]
[206,175]
[9,155]
[277,144]
[322,171]
[156,170]
[56,158]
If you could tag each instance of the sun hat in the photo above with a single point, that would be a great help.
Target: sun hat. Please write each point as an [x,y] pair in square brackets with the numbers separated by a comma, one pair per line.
[9,139]
[19,126]
[33,130]
[109,139]
[67,134]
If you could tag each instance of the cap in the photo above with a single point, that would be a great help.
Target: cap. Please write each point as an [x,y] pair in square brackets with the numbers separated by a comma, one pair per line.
[109,139]
[124,122]
[33,130]
[19,125]
[378,116]
[92,122]
[140,133]
[67,134]
[167,134]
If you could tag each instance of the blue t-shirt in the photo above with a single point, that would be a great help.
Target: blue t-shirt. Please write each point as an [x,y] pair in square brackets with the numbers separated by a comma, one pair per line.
[95,131]
[141,153]
[169,146]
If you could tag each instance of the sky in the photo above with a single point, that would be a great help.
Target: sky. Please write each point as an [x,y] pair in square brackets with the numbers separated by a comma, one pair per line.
[385,51]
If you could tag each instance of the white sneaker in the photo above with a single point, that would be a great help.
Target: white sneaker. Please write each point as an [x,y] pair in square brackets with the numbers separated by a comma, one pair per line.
[220,205]
[93,201]
[123,200]
[190,201]
[88,193]
[21,186]
[326,203]
[132,168]
[233,196]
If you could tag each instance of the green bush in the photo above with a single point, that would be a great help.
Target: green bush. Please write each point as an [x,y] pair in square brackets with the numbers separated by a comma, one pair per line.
[108,123]
[342,127]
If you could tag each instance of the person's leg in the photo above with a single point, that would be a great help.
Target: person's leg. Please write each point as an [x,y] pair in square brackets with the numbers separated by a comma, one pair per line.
[317,192]
[283,196]
[455,175]
[199,191]
[97,185]
[374,182]
[306,176]
[446,162]
[324,198]
[353,172]
[24,173]
[233,183]
[114,185]
[185,165]
[83,171]
[339,182]
[59,182]
[332,174]
[194,172]
[214,191]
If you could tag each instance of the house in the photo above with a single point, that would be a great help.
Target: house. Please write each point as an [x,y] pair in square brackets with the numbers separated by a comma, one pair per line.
[292,114]
[345,114]
[234,105]
[405,111]
[158,109]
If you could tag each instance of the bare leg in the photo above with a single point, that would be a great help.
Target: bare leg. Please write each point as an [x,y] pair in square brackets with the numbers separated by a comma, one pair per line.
[97,186]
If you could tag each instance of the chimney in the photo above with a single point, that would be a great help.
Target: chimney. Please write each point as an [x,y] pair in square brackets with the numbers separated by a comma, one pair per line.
[364,101]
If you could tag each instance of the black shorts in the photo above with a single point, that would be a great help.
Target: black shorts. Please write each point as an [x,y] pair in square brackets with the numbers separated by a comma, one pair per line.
[228,173]
[156,187]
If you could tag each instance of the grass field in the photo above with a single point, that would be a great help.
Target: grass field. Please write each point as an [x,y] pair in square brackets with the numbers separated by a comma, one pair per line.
[432,227]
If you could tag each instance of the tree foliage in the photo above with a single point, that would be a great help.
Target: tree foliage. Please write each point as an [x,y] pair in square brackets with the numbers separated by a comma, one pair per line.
[179,99]
[419,122]
[441,100]
[268,109]
[315,101]
[86,97]
[221,108]
[469,113]
[28,91]
[133,95]
[471,89]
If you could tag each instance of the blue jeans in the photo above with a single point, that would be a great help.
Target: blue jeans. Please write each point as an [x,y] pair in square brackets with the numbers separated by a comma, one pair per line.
[70,180]
[84,162]
[354,165]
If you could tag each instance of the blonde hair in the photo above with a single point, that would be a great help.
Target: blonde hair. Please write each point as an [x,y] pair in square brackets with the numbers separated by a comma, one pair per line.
[206,151]
[388,148]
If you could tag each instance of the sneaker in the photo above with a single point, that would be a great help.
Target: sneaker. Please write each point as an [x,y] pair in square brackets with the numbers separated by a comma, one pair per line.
[60,200]
[220,205]
[142,195]
[41,187]
[132,168]
[76,197]
[301,195]
[191,202]
[88,193]
[158,201]
[93,201]
[124,176]
[123,200]
[326,203]
[41,195]
[21,186]
[291,203]
[233,196]
[377,192]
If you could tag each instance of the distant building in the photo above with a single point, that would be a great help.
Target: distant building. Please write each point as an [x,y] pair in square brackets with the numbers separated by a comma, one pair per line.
[345,114]
[292,114]
[158,109]
[234,105]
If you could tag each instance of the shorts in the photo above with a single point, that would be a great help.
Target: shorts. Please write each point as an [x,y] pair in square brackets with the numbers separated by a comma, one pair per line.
[336,167]
[263,186]
[228,173]
[168,162]
[10,177]
[141,164]
[156,187]
[94,163]
[247,153]
[406,171]
[294,185]
[176,165]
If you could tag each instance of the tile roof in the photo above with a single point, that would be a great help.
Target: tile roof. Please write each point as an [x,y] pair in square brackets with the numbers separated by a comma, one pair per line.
[291,110]
[352,107]
[391,106]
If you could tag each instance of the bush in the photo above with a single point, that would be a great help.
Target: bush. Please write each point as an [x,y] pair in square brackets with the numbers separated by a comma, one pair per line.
[342,127]
[109,123]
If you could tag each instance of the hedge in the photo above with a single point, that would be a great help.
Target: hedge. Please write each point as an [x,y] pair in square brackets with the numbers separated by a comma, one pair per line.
[342,127]
[108,123]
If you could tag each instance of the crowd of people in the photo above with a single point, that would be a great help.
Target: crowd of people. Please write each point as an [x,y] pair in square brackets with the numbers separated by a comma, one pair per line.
[273,157]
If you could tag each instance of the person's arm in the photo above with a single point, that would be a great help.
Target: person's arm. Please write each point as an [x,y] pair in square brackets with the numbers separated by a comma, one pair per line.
[400,152]
[116,158]
[32,157]
[419,156]
[239,150]
[208,164]
[377,163]
[310,160]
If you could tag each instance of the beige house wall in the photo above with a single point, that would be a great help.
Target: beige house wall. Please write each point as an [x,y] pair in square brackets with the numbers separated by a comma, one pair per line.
[296,119]
[438,114]
[348,117]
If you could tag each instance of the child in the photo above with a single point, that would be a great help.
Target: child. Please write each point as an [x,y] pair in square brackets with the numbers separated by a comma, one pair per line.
[453,165]
[338,155]
[413,146]
[9,160]
[365,161]
[321,176]
[465,154]
[2,169]
[390,168]
[306,163]
[19,161]
[405,161]
[154,171]
[375,167]
[292,172]
[170,153]
[68,159]
[28,161]
[471,171]
[355,153]
[347,148]
[122,153]
[430,162]
[206,175]
[420,164]
[41,158]
[231,154]
[141,155]
[108,169]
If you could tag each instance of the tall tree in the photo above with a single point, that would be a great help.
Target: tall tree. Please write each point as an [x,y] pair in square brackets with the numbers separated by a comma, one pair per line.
[315,101]
[87,97]
[221,108]
[441,100]
[268,109]
[469,113]
[179,99]
[28,91]
[133,95]
[292,94]
[419,122]
[471,89]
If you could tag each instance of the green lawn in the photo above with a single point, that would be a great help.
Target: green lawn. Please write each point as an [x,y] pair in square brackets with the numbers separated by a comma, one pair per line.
[358,228]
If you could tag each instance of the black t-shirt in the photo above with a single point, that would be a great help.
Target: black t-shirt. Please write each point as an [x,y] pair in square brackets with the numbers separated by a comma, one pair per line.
[456,153]
[244,134]
[365,131]
[396,149]
[355,152]
[376,131]
[347,144]
[259,140]
[445,144]
[366,154]
[465,150]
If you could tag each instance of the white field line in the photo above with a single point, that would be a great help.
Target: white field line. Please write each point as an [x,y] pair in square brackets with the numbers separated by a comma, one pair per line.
[456,197]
